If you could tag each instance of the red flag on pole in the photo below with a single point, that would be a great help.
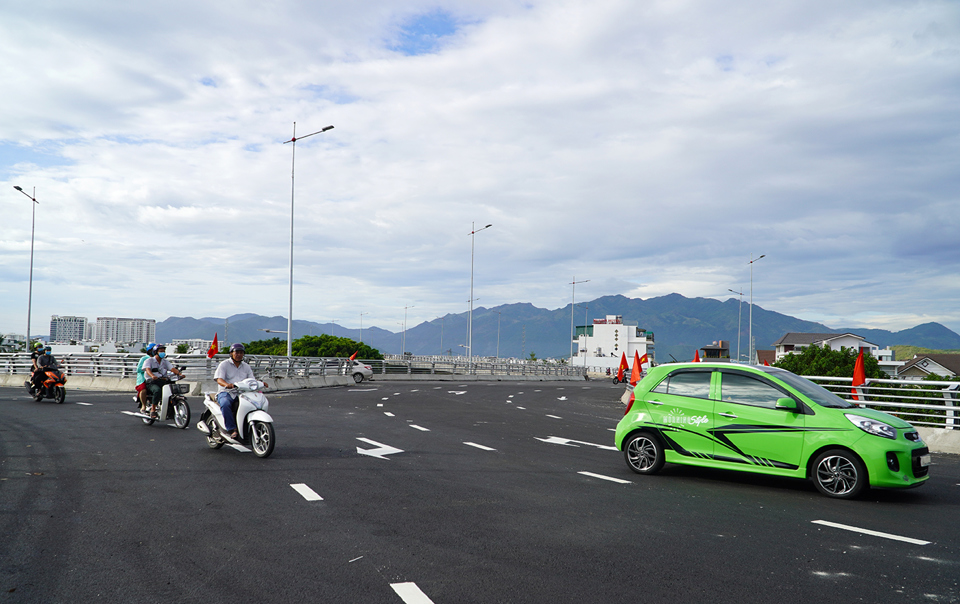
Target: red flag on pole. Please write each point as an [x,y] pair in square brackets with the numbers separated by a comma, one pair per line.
[635,373]
[766,363]
[696,356]
[213,348]
[643,361]
[354,355]
[623,367]
[859,376]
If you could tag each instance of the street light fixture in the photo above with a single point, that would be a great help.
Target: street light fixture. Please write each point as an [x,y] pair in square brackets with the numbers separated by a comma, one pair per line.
[473,233]
[750,343]
[293,167]
[739,314]
[33,224]
[573,299]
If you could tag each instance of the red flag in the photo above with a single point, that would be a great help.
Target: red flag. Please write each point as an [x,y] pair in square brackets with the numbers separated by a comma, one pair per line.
[623,367]
[354,355]
[635,373]
[859,375]
[766,363]
[644,360]
[696,356]
[213,348]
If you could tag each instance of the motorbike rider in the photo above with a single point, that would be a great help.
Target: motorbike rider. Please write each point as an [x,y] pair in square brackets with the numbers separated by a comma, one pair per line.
[44,361]
[35,353]
[156,369]
[141,377]
[229,372]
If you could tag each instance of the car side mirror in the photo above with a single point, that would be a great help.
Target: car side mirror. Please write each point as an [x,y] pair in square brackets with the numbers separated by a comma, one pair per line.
[787,404]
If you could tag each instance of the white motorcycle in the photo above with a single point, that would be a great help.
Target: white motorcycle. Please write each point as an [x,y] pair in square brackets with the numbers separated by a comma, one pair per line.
[173,404]
[254,424]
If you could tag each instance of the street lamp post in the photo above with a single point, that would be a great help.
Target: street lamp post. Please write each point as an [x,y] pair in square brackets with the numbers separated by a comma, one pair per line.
[750,346]
[441,335]
[403,338]
[293,166]
[573,299]
[499,313]
[33,224]
[739,314]
[473,238]
[361,325]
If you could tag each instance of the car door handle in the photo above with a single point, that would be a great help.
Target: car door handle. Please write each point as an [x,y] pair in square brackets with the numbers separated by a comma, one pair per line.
[730,415]
[655,402]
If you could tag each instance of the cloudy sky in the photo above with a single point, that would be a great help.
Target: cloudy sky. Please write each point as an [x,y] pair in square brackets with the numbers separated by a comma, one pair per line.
[648,147]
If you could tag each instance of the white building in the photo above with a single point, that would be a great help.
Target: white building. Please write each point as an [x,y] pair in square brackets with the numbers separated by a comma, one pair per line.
[67,329]
[194,345]
[603,343]
[793,342]
[118,329]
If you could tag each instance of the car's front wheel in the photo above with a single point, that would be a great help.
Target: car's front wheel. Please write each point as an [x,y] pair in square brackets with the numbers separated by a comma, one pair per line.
[358,377]
[840,474]
[643,452]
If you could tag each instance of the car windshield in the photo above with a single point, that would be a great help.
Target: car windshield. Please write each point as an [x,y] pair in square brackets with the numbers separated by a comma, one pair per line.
[814,392]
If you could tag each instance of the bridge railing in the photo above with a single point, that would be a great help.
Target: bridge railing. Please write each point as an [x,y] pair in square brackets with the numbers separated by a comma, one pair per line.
[922,403]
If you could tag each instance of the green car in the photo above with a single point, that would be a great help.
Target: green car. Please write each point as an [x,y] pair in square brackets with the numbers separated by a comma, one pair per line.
[770,421]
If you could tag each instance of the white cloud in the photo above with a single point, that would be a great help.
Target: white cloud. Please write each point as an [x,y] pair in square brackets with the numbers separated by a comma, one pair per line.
[649,147]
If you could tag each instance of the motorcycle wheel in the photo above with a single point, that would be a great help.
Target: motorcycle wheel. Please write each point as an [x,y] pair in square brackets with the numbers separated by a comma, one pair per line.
[59,394]
[214,443]
[261,438]
[181,413]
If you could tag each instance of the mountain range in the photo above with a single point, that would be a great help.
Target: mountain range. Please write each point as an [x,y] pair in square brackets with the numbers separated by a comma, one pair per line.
[680,326]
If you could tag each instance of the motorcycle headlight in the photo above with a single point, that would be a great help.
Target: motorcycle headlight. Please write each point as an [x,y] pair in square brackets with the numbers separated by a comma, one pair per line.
[872,426]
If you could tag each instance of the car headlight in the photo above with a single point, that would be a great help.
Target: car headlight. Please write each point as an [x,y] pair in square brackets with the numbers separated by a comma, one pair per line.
[872,426]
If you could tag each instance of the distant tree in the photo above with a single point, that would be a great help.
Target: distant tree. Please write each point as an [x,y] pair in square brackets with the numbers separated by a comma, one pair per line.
[826,362]
[533,356]
[314,346]
[182,349]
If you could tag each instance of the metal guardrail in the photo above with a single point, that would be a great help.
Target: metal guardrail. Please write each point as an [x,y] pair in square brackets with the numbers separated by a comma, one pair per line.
[922,403]
[199,367]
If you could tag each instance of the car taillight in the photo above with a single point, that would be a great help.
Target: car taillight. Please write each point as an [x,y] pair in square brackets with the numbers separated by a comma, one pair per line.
[633,397]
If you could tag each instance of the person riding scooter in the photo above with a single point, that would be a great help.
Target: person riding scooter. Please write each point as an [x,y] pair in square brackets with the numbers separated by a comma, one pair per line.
[229,372]
[157,370]
[141,386]
[44,361]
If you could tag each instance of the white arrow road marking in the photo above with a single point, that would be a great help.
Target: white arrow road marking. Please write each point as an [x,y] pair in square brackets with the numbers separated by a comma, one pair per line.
[480,446]
[556,440]
[388,414]
[869,532]
[308,493]
[554,416]
[421,428]
[87,404]
[602,477]
[380,451]
[410,593]
[457,392]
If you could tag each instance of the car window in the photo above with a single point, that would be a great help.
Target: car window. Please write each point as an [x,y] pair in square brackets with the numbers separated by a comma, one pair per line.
[746,390]
[694,384]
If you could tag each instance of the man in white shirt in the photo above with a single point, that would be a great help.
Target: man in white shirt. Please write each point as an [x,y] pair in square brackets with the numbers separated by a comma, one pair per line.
[229,372]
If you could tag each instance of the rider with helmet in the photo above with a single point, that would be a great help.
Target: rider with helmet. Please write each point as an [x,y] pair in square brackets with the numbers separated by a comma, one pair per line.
[43,362]
[141,377]
[156,369]
[229,372]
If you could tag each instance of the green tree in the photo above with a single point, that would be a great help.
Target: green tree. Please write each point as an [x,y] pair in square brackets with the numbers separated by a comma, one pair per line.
[182,349]
[826,362]
[533,356]
[314,346]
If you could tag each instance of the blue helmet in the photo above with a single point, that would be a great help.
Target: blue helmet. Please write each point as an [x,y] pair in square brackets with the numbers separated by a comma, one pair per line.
[151,348]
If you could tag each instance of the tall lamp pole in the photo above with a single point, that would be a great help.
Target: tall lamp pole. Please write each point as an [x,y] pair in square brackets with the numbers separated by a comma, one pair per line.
[473,238]
[739,314]
[293,167]
[403,338]
[499,313]
[441,335]
[33,224]
[750,346]
[573,299]
[361,325]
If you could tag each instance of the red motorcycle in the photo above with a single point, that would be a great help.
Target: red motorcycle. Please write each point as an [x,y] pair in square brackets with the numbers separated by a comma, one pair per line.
[52,386]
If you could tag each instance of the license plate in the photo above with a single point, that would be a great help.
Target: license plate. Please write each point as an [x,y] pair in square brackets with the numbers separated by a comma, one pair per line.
[924,461]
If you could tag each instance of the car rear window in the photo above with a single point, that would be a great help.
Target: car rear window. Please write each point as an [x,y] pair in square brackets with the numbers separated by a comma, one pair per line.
[694,384]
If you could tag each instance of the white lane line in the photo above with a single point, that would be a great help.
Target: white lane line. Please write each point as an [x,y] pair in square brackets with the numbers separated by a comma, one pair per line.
[869,532]
[396,394]
[524,408]
[480,446]
[456,392]
[386,398]
[363,390]
[87,404]
[308,493]
[410,593]
[129,413]
[421,428]
[602,477]
[554,416]
[379,404]
[388,414]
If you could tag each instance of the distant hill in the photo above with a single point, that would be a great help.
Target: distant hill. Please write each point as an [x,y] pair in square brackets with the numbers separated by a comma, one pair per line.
[680,326]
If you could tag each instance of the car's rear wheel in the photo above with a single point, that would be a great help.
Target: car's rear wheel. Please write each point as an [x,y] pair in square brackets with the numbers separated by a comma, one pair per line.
[643,452]
[840,474]
[358,377]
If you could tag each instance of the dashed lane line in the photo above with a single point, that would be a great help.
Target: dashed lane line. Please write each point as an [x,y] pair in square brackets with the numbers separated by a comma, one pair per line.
[554,416]
[480,446]
[308,493]
[87,404]
[855,529]
[410,593]
[388,414]
[602,477]
[421,428]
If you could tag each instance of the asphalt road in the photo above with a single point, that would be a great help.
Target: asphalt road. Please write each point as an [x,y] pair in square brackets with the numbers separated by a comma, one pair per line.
[481,493]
